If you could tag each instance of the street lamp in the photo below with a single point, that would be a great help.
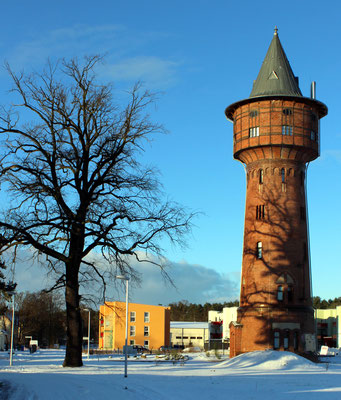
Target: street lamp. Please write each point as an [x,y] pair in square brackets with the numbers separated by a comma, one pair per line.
[125,278]
[12,330]
[86,309]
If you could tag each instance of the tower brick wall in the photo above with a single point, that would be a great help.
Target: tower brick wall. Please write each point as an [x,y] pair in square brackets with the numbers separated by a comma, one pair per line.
[275,136]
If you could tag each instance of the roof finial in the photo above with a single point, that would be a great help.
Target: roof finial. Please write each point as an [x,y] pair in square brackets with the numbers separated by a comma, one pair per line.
[276,30]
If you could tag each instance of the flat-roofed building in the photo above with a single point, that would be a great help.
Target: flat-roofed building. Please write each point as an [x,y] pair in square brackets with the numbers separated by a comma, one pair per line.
[188,334]
[148,325]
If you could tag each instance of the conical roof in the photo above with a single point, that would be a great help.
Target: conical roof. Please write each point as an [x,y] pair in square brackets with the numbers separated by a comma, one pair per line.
[275,76]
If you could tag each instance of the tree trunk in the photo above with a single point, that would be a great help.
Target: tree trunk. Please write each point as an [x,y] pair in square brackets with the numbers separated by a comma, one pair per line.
[73,356]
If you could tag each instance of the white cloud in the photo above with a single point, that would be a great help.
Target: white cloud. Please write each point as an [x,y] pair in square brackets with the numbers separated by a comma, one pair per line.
[115,42]
[71,41]
[195,283]
[154,71]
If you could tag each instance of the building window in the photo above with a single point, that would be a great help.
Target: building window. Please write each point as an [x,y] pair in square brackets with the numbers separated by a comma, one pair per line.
[132,316]
[290,294]
[254,131]
[287,111]
[295,340]
[280,293]
[146,344]
[260,212]
[146,317]
[132,343]
[286,130]
[261,176]
[276,340]
[312,135]
[283,175]
[253,113]
[146,331]
[286,340]
[132,330]
[259,250]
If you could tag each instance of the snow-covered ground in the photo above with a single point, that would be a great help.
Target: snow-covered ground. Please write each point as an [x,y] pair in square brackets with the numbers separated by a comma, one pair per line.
[258,375]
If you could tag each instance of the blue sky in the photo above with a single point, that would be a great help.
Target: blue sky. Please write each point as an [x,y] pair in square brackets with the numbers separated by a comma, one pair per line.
[200,56]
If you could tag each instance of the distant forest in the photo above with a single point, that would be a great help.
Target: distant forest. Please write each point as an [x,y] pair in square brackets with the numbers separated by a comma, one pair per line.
[186,311]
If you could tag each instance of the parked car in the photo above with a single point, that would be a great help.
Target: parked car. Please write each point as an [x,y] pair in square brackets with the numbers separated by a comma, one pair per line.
[166,348]
[141,349]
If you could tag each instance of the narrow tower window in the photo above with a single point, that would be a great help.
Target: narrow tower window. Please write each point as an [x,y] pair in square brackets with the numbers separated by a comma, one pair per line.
[259,250]
[295,340]
[286,340]
[280,293]
[261,176]
[254,131]
[287,111]
[290,294]
[283,175]
[260,212]
[276,340]
[286,130]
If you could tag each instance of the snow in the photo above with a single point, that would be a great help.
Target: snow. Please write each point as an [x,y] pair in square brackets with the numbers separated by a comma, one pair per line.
[256,375]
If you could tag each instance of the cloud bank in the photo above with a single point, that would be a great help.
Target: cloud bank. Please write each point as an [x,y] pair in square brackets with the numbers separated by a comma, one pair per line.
[192,282]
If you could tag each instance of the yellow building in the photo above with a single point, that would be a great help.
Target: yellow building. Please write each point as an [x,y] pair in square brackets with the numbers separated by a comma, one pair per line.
[148,326]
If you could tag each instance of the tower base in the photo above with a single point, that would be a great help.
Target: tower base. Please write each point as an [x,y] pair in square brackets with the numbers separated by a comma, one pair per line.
[271,328]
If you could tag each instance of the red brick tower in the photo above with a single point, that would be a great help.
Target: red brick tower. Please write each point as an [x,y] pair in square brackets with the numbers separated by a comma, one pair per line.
[276,135]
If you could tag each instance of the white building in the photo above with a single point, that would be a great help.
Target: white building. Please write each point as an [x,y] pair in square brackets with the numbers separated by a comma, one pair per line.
[226,316]
[189,333]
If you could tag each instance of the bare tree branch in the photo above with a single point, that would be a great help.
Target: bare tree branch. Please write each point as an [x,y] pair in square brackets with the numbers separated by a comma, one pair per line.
[73,181]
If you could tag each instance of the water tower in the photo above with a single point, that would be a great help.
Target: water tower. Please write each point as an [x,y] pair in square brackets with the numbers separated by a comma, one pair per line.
[275,135]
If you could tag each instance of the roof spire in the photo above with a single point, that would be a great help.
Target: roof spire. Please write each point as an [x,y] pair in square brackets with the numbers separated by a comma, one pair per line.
[276,77]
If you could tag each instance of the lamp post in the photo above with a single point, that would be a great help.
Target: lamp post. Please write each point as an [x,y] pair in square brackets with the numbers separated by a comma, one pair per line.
[125,278]
[86,309]
[12,331]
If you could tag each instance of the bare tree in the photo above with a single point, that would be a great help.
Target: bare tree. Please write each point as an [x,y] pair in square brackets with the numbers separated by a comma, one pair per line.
[74,183]
[41,316]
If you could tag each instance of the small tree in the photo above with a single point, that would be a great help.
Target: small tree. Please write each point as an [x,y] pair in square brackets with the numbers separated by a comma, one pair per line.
[6,288]
[75,183]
